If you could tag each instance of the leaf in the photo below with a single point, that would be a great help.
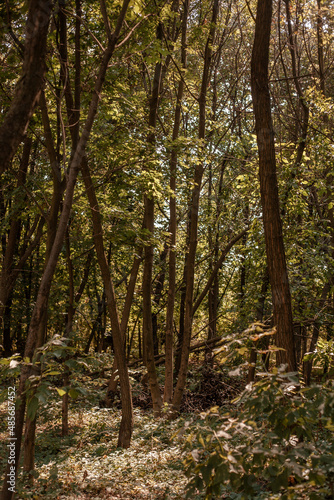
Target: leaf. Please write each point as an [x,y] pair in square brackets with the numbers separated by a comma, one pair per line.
[61,392]
[223,434]
[242,350]
[201,440]
[73,393]
[71,363]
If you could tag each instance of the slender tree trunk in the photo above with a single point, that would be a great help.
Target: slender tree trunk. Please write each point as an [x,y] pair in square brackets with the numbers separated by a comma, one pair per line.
[126,428]
[10,272]
[243,272]
[194,208]
[113,381]
[307,365]
[149,248]
[169,339]
[52,219]
[180,333]
[269,189]
[217,267]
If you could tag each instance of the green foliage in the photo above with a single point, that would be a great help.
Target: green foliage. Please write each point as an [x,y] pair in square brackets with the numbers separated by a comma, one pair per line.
[48,367]
[278,440]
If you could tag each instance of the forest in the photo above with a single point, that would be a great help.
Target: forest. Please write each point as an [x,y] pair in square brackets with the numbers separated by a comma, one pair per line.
[167,249]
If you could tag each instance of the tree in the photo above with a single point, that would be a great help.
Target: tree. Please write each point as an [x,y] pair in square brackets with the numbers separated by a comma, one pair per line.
[193,209]
[272,224]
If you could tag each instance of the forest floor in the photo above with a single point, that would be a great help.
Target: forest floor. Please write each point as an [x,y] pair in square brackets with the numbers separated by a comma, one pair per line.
[87,465]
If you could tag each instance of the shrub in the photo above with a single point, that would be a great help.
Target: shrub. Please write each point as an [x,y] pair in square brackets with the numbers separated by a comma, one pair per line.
[277,439]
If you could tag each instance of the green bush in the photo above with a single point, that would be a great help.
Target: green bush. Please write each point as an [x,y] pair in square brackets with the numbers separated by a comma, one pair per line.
[278,440]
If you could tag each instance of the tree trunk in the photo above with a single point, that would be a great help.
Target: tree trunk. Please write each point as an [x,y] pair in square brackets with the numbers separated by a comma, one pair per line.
[149,248]
[10,272]
[169,339]
[126,428]
[307,365]
[113,381]
[194,208]
[278,274]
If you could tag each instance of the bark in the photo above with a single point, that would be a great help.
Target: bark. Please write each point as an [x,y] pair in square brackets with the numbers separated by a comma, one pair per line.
[28,88]
[147,308]
[180,333]
[269,188]
[303,114]
[194,208]
[214,229]
[213,249]
[52,218]
[148,344]
[169,338]
[243,272]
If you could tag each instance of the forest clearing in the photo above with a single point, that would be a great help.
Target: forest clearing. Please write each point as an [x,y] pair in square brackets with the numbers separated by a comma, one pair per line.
[167,249]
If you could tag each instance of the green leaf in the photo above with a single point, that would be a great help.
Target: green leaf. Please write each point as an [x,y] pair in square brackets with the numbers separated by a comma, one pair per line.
[73,393]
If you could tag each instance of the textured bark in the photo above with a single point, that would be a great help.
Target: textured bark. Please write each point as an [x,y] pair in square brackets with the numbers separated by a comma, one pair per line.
[57,194]
[30,84]
[147,309]
[269,189]
[169,36]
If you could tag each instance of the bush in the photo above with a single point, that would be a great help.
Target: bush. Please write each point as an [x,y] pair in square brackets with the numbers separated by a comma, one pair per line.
[277,439]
